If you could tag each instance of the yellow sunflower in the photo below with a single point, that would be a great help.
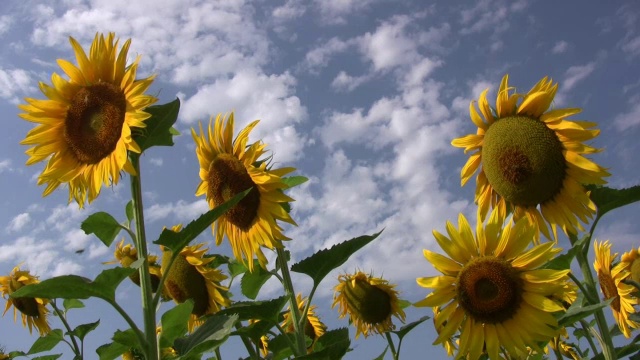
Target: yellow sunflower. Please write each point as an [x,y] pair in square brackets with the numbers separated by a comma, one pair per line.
[314,328]
[530,160]
[190,277]
[228,167]
[439,323]
[631,261]
[612,284]
[369,301]
[127,254]
[33,310]
[490,285]
[85,124]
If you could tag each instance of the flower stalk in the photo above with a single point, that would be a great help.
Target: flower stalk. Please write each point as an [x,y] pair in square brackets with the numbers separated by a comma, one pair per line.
[300,348]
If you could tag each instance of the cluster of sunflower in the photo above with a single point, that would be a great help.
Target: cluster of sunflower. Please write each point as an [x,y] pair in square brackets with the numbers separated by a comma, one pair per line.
[531,178]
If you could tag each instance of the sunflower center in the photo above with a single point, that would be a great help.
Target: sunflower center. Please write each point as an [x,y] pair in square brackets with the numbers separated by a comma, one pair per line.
[93,125]
[372,304]
[610,291]
[523,160]
[228,177]
[184,282]
[27,306]
[489,289]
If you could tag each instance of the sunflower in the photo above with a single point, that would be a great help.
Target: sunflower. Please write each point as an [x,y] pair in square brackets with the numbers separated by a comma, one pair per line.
[85,124]
[631,261]
[439,323]
[369,301]
[491,285]
[612,284]
[127,254]
[314,328]
[33,310]
[228,167]
[190,277]
[530,160]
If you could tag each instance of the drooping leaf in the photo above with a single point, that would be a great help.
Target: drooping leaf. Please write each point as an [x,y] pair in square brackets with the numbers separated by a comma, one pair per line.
[207,337]
[175,241]
[82,330]
[576,313]
[607,199]
[47,342]
[47,357]
[69,304]
[103,225]
[175,323]
[257,310]
[293,181]
[158,131]
[77,287]
[128,211]
[410,326]
[252,282]
[111,351]
[318,265]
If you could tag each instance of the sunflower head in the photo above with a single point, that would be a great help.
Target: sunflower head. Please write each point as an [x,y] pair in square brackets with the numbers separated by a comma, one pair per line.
[612,285]
[369,301]
[529,159]
[127,254]
[228,167]
[33,310]
[85,123]
[314,328]
[491,284]
[190,277]
[631,260]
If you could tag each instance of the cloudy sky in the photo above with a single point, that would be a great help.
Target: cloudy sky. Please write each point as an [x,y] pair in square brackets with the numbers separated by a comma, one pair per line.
[361,96]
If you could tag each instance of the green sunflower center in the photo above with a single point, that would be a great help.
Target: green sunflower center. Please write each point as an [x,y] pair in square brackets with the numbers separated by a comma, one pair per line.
[523,160]
[93,125]
[489,289]
[609,290]
[370,303]
[228,177]
[184,282]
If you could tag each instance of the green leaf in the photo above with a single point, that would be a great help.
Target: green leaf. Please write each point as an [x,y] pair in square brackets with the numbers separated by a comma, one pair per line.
[279,346]
[103,225]
[175,241]
[293,181]
[77,287]
[207,337]
[381,356]
[47,342]
[127,338]
[69,304]
[268,310]
[578,312]
[128,211]
[632,348]
[607,199]
[47,357]
[158,131]
[318,265]
[252,282]
[563,262]
[332,345]
[410,326]
[111,351]
[254,331]
[82,330]
[175,323]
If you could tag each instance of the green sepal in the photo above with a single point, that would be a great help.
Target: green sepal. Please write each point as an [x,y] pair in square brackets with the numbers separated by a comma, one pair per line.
[82,330]
[607,199]
[175,323]
[318,265]
[159,127]
[176,241]
[252,282]
[207,337]
[77,287]
[47,342]
[103,225]
[268,310]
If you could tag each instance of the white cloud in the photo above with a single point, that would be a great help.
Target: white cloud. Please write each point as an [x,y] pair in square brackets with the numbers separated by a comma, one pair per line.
[179,211]
[630,118]
[577,73]
[5,23]
[76,239]
[390,45]
[421,70]
[290,10]
[632,46]
[336,11]
[486,15]
[156,161]
[15,83]
[18,222]
[344,82]
[5,165]
[319,56]
[560,47]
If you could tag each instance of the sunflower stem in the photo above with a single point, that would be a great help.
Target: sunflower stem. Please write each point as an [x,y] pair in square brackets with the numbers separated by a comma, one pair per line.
[300,348]
[587,330]
[247,343]
[391,346]
[148,309]
[63,318]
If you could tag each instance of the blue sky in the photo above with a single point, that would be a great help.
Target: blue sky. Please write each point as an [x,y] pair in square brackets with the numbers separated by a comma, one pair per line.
[361,96]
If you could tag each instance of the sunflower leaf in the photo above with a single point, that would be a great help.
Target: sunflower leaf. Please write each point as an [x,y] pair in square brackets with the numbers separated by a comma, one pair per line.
[563,262]
[111,351]
[333,344]
[128,211]
[257,310]
[254,331]
[158,131]
[47,357]
[293,181]
[103,225]
[69,304]
[175,323]
[252,282]
[578,312]
[127,338]
[410,326]
[207,337]
[318,265]
[381,356]
[176,241]
[83,329]
[47,342]
[607,199]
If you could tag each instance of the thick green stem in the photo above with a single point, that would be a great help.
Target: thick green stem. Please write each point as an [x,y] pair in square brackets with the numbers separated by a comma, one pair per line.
[63,318]
[587,331]
[149,311]
[247,344]
[391,346]
[300,348]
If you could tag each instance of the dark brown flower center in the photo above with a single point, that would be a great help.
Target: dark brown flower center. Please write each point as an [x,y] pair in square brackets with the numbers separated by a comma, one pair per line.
[523,160]
[489,289]
[27,306]
[184,282]
[371,304]
[228,177]
[609,290]
[94,122]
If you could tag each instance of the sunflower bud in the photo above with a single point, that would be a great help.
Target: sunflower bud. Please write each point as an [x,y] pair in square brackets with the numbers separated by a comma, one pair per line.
[313,329]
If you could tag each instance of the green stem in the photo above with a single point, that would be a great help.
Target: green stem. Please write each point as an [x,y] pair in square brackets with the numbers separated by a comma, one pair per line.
[587,330]
[218,356]
[247,343]
[163,278]
[132,324]
[391,346]
[149,311]
[300,349]
[63,318]
[286,337]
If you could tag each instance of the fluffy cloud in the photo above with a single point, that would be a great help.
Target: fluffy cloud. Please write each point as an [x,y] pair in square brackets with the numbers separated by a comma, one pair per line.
[560,47]
[630,118]
[577,73]
[19,222]
[15,83]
